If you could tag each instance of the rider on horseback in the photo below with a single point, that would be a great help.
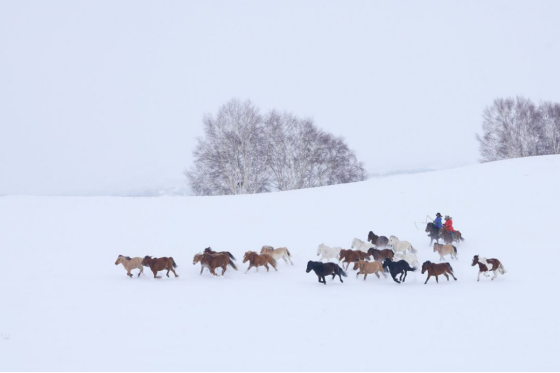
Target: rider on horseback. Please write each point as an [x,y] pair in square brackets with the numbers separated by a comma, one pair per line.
[449,226]
[438,222]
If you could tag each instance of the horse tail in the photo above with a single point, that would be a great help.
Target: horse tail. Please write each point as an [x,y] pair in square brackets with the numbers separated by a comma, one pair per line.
[454,248]
[413,250]
[451,268]
[342,271]
[409,268]
[288,252]
[232,264]
[502,269]
[174,264]
[230,255]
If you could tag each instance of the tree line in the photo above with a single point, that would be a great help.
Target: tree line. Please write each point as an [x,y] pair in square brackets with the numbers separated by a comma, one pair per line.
[516,127]
[246,152]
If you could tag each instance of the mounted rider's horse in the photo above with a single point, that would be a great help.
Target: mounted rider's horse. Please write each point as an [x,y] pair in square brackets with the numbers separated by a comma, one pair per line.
[448,238]
[433,233]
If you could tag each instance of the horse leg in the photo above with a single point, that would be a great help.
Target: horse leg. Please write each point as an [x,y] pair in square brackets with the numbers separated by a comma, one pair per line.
[377,274]
[437,279]
[155,274]
[451,273]
[445,274]
[324,280]
[405,273]
[224,267]
[250,265]
[141,271]
[478,277]
[495,275]
[292,263]
[167,274]
[365,275]
[429,275]
[172,270]
[201,269]
[283,257]
[266,266]
[395,279]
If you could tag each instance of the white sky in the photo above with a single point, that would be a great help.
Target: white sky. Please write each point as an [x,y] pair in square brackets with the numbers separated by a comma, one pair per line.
[105,96]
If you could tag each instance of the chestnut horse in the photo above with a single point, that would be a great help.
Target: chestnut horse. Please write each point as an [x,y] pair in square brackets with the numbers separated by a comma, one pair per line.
[350,256]
[486,265]
[213,261]
[130,263]
[256,260]
[380,255]
[160,264]
[446,235]
[366,268]
[437,270]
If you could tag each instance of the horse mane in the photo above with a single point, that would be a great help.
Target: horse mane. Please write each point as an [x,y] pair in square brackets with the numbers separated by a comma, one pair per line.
[128,258]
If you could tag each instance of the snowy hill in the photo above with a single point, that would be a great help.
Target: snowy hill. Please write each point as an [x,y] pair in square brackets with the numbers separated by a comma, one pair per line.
[66,306]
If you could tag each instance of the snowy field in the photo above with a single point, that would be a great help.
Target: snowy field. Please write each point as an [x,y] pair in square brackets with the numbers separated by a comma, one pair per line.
[66,306]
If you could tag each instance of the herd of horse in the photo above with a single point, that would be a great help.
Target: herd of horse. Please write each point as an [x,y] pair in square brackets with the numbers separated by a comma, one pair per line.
[378,256]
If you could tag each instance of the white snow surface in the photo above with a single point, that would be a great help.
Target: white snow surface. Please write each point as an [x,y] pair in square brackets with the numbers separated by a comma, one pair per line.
[66,306]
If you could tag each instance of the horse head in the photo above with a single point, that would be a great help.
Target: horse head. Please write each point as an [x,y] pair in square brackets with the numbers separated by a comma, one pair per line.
[475,260]
[387,262]
[197,258]
[119,260]
[309,266]
[425,266]
[146,261]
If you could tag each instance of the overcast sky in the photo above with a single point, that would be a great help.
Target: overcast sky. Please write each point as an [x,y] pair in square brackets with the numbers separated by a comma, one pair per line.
[107,96]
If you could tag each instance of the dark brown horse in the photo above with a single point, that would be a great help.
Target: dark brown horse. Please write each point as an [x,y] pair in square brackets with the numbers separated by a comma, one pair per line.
[379,241]
[446,235]
[437,269]
[380,255]
[350,256]
[487,265]
[210,251]
[160,264]
[213,261]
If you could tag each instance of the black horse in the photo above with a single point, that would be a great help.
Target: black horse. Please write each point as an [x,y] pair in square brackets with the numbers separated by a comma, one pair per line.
[325,269]
[379,241]
[433,232]
[401,267]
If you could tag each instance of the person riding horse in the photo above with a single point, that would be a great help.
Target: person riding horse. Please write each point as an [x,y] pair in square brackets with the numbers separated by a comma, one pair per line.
[438,222]
[449,226]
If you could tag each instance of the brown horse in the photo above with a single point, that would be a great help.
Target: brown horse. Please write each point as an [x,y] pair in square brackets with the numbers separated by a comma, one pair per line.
[366,268]
[256,260]
[486,265]
[213,261]
[446,235]
[130,263]
[380,255]
[437,270]
[160,264]
[350,256]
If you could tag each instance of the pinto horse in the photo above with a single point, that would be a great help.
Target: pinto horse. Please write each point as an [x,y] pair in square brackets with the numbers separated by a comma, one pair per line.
[160,264]
[433,233]
[395,268]
[379,241]
[486,265]
[437,270]
[325,269]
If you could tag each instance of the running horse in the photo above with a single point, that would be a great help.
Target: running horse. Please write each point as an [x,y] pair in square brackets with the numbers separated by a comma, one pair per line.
[433,232]
[437,269]
[487,265]
[160,264]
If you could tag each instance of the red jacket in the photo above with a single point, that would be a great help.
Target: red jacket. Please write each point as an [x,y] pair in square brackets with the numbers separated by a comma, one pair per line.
[449,225]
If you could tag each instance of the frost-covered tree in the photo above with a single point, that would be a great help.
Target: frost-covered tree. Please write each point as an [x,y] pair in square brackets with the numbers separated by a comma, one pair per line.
[277,152]
[515,127]
[232,157]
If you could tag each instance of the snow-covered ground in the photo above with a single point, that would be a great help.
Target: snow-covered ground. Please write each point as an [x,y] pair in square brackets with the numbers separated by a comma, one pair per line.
[66,306]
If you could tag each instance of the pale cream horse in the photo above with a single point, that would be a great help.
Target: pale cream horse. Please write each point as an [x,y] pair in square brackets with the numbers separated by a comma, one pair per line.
[366,268]
[130,263]
[279,253]
[444,250]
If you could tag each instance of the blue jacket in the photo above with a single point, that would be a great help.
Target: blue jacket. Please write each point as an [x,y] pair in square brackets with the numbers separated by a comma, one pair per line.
[438,223]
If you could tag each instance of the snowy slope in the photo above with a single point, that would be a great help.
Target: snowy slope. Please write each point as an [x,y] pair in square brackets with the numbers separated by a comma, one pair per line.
[66,306]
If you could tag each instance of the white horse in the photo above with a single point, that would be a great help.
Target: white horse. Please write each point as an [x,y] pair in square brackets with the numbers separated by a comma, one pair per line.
[327,252]
[401,246]
[361,245]
[409,258]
